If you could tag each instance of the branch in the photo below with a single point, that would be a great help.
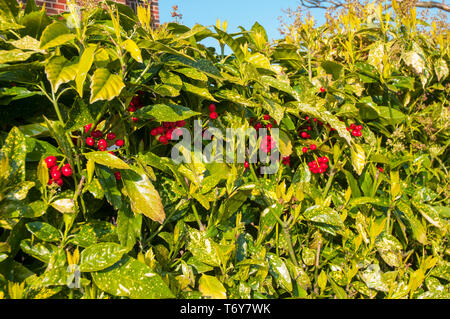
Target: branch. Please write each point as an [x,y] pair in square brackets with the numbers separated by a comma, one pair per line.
[433,5]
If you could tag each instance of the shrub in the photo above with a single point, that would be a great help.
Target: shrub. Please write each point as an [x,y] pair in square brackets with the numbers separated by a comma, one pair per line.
[92,206]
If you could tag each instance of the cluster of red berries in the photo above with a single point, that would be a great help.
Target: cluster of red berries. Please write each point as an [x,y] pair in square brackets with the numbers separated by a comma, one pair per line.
[355,130]
[267,122]
[212,112]
[286,160]
[164,132]
[56,171]
[96,136]
[312,147]
[320,166]
[135,104]
[305,134]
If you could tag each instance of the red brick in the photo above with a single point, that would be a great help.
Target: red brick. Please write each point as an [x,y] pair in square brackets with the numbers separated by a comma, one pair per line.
[59,6]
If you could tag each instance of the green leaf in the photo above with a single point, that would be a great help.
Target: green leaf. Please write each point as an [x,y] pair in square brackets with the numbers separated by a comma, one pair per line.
[326,218]
[100,256]
[34,24]
[44,231]
[232,43]
[389,249]
[86,60]
[105,86]
[332,68]
[109,185]
[15,55]
[55,34]
[165,112]
[79,116]
[358,158]
[441,68]
[268,220]
[279,271]
[14,153]
[211,287]
[107,159]
[133,279]
[20,191]
[143,196]
[418,230]
[198,90]
[128,226]
[192,73]
[59,70]
[202,247]
[39,250]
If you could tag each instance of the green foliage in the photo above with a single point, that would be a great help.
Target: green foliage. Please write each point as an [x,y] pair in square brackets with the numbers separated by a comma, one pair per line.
[136,224]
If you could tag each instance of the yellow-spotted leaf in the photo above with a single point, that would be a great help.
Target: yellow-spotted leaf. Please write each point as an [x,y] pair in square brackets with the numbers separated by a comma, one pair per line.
[143,196]
[106,159]
[358,158]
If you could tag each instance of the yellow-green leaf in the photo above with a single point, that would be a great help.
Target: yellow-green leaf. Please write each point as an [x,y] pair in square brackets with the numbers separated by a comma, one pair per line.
[86,60]
[133,49]
[54,35]
[59,70]
[211,287]
[105,86]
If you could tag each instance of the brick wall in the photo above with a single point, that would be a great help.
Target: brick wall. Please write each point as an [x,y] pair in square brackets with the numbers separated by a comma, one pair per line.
[58,6]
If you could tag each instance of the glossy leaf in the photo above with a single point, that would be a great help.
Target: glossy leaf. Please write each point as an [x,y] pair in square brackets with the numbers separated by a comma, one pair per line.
[105,86]
[144,198]
[44,231]
[133,279]
[100,256]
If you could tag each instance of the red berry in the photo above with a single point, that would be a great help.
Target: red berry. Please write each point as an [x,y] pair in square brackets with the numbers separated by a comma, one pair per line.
[266,117]
[380,169]
[102,144]
[181,123]
[169,134]
[213,115]
[258,126]
[112,153]
[212,108]
[59,181]
[307,118]
[304,135]
[309,128]
[359,127]
[117,176]
[315,170]
[66,170]
[159,130]
[55,174]
[50,181]
[111,136]
[286,160]
[154,132]
[119,143]
[246,164]
[323,166]
[352,126]
[87,128]
[325,159]
[312,164]
[322,89]
[136,101]
[313,147]
[166,124]
[97,134]
[135,119]
[305,150]
[314,120]
[269,125]
[163,139]
[131,109]
[90,141]
[356,133]
[50,161]
[320,170]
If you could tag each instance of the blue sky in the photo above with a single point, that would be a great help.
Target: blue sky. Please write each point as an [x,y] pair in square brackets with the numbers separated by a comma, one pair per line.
[236,12]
